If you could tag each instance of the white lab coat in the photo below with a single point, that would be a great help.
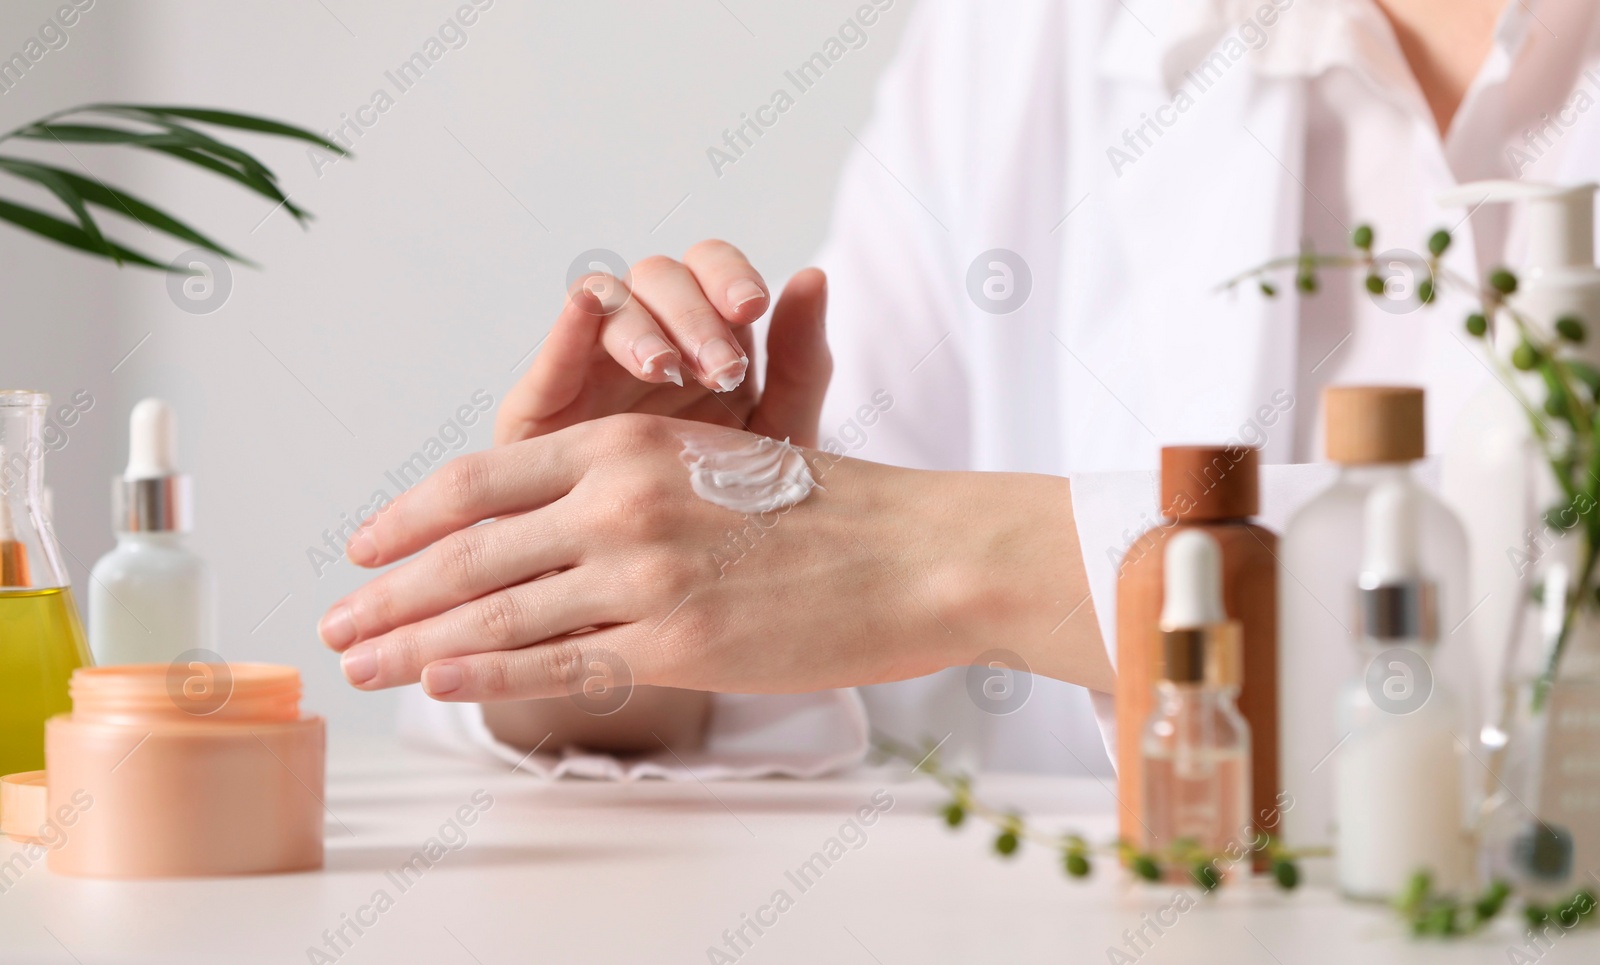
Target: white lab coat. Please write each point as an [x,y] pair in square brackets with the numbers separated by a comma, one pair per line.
[1133,157]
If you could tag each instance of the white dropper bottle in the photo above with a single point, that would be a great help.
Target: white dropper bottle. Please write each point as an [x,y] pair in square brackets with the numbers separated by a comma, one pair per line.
[1401,798]
[151,598]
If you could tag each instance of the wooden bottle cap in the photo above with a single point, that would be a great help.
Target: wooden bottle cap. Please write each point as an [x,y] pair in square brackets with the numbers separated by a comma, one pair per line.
[1209,482]
[1366,424]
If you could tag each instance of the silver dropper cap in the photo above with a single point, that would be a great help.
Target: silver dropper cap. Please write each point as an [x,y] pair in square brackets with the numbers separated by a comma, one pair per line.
[160,504]
[151,496]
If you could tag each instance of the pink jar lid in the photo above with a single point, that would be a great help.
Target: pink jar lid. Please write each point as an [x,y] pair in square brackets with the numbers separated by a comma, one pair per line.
[24,803]
[145,694]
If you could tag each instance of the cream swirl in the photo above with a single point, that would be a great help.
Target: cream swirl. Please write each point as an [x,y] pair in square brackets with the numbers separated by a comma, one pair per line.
[746,473]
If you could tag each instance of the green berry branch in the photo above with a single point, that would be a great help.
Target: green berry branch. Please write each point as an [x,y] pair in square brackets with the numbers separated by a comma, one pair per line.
[1428,913]
[1436,915]
[1565,422]
[1205,869]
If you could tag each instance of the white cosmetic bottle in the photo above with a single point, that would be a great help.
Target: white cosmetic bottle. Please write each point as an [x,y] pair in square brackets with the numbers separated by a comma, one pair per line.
[1401,793]
[1375,435]
[151,599]
[1493,474]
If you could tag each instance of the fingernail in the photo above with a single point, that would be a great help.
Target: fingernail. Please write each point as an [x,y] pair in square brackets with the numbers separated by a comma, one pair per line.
[337,629]
[604,288]
[742,292]
[441,678]
[359,666]
[723,364]
[654,355]
[361,550]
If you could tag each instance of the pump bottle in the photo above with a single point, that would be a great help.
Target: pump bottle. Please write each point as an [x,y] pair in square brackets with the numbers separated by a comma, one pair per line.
[151,598]
[1492,472]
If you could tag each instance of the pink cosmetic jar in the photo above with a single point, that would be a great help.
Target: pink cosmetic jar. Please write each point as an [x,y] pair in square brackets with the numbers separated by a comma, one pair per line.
[189,770]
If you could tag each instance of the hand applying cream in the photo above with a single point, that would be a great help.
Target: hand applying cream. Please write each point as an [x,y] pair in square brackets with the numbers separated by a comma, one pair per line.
[881,576]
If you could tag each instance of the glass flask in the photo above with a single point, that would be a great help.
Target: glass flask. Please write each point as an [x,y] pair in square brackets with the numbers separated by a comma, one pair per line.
[41,638]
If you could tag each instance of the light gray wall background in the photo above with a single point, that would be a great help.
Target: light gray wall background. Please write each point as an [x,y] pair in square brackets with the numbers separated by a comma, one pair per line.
[437,260]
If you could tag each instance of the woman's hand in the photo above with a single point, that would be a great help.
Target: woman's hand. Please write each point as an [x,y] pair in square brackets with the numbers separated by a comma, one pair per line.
[597,549]
[630,346]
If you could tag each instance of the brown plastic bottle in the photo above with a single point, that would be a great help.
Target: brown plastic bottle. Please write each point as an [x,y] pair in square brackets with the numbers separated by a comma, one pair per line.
[1216,489]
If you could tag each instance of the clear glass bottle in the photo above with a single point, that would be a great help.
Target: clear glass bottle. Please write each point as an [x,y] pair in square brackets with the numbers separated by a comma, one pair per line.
[41,638]
[1196,745]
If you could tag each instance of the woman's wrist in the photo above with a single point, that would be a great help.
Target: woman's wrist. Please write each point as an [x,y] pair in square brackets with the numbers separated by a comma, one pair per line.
[1012,577]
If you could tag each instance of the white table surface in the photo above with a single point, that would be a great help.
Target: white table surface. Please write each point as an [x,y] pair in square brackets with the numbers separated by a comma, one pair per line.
[655,872]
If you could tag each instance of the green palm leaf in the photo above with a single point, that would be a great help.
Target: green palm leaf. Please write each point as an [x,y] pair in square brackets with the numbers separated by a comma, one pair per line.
[62,188]
[168,131]
[244,122]
[49,226]
[254,182]
[102,195]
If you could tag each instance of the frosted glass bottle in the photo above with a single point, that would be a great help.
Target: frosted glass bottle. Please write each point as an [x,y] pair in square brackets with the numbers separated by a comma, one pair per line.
[151,598]
[1404,803]
[1375,434]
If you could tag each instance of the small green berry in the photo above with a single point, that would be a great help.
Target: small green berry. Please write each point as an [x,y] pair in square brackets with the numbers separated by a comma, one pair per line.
[1286,873]
[1502,281]
[1439,921]
[1556,404]
[1006,843]
[1145,867]
[1362,237]
[1268,289]
[1535,915]
[1477,325]
[1425,290]
[1570,328]
[1375,284]
[1416,891]
[1438,242]
[1306,282]
[1078,864]
[1584,902]
[1205,875]
[1524,357]
[954,814]
[1491,901]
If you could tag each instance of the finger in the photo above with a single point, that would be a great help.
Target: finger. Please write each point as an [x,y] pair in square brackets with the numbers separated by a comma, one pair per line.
[633,338]
[554,668]
[517,617]
[463,566]
[509,479]
[672,295]
[729,282]
[799,364]
[558,372]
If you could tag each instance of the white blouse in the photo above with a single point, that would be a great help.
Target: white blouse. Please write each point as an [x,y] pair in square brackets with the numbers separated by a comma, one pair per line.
[1027,248]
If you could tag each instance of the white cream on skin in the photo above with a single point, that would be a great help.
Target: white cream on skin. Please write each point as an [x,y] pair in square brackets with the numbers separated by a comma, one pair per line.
[746,473]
